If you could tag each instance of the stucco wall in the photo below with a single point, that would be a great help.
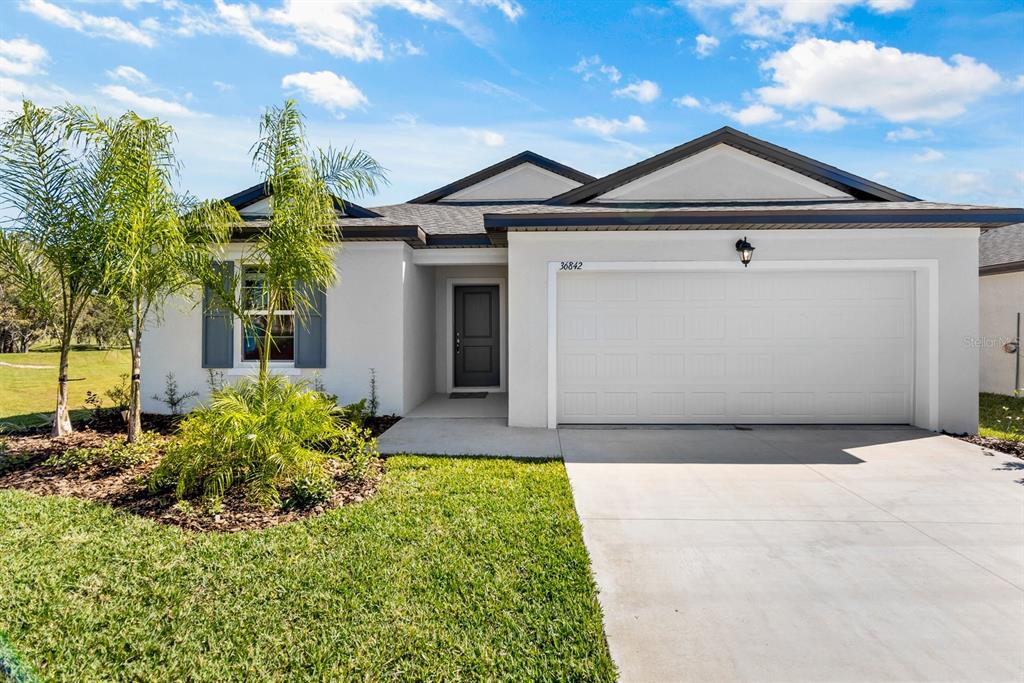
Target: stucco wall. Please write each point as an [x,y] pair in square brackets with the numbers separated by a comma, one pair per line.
[419,336]
[365,328]
[1001,298]
[956,308]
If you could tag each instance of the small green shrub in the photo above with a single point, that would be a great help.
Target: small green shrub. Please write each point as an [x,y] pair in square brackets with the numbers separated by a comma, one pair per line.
[120,394]
[116,454]
[310,490]
[259,435]
[358,448]
[355,413]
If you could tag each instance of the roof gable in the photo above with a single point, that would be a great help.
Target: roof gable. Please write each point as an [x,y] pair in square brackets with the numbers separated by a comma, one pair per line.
[721,174]
[524,177]
[253,202]
[783,172]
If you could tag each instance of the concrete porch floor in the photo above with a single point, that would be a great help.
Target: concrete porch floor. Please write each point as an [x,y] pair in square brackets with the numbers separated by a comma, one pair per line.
[441,405]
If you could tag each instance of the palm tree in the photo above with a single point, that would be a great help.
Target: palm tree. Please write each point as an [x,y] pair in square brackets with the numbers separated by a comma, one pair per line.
[299,241]
[49,247]
[157,243]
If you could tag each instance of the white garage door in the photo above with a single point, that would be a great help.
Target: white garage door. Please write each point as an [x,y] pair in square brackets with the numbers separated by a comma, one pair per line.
[745,347]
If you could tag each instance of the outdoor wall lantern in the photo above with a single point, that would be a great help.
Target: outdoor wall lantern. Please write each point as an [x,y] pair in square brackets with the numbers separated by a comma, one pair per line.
[746,250]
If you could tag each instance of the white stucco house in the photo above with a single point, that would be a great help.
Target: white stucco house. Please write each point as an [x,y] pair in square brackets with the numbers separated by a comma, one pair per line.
[1001,292]
[623,299]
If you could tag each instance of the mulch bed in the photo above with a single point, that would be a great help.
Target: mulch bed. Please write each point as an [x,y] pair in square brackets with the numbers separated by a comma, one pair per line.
[21,467]
[1014,448]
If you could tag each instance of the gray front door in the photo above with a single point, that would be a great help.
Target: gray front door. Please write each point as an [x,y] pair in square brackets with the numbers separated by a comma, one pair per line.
[477,336]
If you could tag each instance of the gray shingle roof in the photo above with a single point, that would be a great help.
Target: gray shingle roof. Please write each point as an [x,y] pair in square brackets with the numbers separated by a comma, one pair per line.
[1001,245]
[468,219]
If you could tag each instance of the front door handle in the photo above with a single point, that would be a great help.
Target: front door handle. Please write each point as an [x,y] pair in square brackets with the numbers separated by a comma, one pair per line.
[458,343]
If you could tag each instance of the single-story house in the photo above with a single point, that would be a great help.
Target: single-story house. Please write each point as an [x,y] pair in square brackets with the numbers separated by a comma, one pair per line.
[1001,289]
[627,298]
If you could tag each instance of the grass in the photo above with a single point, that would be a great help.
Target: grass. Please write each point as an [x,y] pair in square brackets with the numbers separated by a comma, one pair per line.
[1001,417]
[459,569]
[26,392]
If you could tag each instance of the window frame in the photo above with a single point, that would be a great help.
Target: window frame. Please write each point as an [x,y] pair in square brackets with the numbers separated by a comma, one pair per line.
[245,269]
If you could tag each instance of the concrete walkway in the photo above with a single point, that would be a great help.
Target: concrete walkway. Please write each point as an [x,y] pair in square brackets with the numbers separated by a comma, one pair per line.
[803,554]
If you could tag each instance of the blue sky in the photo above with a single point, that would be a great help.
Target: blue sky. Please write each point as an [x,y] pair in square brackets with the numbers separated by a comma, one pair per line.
[925,96]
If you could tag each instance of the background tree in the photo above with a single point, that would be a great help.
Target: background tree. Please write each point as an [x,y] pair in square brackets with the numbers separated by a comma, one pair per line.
[48,250]
[20,325]
[299,241]
[103,324]
[156,242]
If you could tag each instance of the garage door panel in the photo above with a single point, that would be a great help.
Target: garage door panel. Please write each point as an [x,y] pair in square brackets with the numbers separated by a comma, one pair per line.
[709,347]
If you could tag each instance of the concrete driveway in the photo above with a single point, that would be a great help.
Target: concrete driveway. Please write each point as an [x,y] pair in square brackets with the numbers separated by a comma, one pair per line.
[803,554]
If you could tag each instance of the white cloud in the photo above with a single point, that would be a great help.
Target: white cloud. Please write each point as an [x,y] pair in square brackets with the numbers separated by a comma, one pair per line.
[1018,83]
[755,115]
[405,119]
[860,76]
[606,127]
[705,45]
[823,119]
[486,137]
[20,57]
[411,49]
[774,19]
[908,133]
[127,74]
[688,101]
[641,91]
[327,89]
[89,24]
[511,9]
[12,91]
[591,67]
[241,19]
[222,86]
[146,104]
[929,155]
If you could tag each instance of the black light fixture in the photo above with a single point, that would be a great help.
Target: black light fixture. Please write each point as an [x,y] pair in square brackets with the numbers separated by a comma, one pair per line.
[746,250]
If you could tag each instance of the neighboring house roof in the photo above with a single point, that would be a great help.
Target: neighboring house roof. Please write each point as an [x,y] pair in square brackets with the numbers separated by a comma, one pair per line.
[526,157]
[1002,250]
[854,185]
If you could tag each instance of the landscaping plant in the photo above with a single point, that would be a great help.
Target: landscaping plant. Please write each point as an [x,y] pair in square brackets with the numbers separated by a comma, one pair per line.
[51,249]
[262,435]
[299,242]
[157,242]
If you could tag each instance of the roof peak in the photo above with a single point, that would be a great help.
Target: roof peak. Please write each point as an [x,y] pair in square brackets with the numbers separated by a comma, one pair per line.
[856,186]
[524,157]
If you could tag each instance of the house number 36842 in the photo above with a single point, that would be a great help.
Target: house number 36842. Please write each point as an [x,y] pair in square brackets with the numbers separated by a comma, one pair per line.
[572,265]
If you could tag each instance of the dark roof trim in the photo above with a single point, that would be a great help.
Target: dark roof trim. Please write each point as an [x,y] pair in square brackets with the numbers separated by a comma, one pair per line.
[1000,268]
[251,195]
[861,188]
[478,240]
[526,157]
[410,234]
[991,217]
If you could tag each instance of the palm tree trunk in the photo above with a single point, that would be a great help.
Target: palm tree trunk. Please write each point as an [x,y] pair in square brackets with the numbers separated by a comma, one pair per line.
[135,398]
[61,418]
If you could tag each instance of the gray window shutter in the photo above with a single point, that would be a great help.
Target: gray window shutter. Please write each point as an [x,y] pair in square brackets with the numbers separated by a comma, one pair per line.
[218,323]
[311,333]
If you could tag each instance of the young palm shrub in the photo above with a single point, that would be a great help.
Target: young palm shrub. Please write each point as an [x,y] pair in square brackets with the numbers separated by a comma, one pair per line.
[262,435]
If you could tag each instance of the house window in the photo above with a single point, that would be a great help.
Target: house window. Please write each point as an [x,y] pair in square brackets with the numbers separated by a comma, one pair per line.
[282,325]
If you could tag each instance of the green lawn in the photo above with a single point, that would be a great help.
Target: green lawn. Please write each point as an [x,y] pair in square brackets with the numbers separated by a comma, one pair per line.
[28,391]
[1001,417]
[459,569]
